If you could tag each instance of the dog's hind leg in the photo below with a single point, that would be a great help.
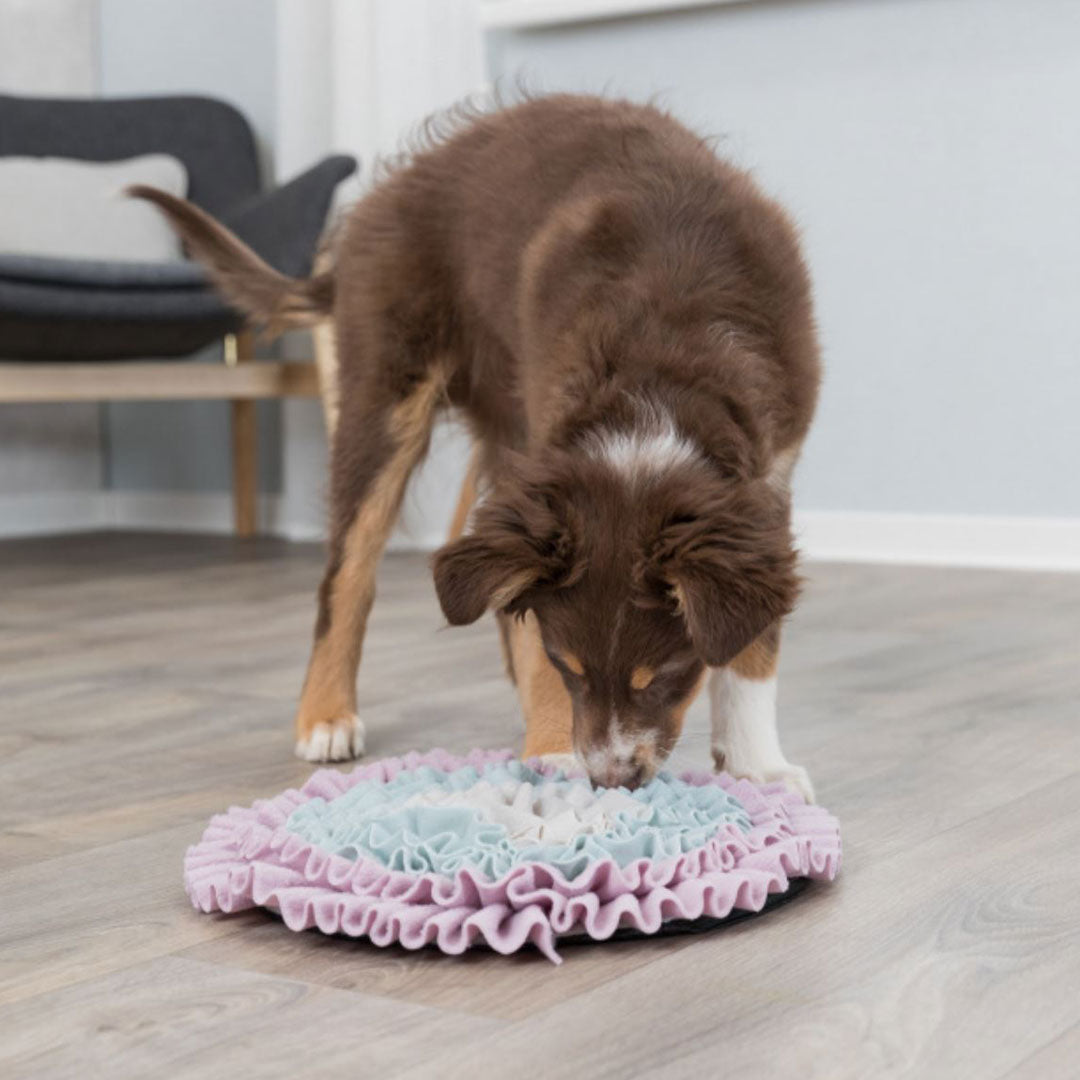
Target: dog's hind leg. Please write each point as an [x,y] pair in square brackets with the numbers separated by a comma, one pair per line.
[742,698]
[467,497]
[376,446]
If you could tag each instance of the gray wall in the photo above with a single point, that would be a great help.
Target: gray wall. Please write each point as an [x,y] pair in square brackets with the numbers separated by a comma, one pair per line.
[226,50]
[48,47]
[929,149]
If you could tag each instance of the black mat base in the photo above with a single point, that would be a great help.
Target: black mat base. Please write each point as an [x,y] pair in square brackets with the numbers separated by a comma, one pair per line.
[704,925]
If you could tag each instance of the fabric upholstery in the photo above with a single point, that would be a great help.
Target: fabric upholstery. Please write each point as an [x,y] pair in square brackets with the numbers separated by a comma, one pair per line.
[284,225]
[211,138]
[102,274]
[74,340]
[251,856]
[70,209]
[89,309]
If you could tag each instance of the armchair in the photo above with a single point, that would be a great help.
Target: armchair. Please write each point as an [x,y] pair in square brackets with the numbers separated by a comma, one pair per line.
[65,323]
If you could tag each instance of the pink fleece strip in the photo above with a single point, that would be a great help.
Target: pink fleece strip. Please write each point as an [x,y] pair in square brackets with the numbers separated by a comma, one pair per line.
[247,858]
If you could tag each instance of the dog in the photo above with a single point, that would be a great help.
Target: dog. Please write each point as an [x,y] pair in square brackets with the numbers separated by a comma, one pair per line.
[625,322]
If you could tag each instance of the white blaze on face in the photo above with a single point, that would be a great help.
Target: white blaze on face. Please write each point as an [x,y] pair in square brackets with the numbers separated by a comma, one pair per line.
[652,446]
[621,755]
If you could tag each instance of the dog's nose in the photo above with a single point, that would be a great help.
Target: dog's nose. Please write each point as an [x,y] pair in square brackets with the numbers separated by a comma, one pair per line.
[613,772]
[627,776]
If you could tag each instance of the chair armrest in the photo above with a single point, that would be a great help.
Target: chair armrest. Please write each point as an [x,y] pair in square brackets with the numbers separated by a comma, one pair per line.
[284,225]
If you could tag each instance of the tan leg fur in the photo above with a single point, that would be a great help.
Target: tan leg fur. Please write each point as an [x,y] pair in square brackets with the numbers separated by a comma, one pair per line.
[327,727]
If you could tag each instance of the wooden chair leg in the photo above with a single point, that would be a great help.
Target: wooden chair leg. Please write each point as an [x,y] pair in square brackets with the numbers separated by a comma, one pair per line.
[239,349]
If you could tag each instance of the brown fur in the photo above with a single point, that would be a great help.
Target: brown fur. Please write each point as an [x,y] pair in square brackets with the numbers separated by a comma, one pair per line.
[579,267]
[466,498]
[759,659]
[239,273]
[573,663]
[348,590]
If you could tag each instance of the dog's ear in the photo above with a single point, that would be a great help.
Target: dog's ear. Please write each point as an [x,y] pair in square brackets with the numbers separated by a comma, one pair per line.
[480,571]
[725,610]
[729,567]
[519,542]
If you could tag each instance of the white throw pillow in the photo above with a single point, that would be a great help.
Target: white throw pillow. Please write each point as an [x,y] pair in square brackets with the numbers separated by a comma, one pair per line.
[69,209]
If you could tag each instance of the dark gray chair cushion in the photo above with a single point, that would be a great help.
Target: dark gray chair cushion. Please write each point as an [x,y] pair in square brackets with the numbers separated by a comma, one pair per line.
[61,309]
[71,309]
[100,273]
[57,301]
[75,340]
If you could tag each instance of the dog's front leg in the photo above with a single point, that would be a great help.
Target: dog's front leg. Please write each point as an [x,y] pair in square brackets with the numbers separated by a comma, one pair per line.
[742,698]
[545,702]
[375,449]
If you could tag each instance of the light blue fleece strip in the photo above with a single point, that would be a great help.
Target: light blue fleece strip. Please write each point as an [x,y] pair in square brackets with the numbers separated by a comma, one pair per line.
[369,820]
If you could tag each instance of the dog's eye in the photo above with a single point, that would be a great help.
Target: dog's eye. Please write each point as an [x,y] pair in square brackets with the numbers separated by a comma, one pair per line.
[572,664]
[568,663]
[673,521]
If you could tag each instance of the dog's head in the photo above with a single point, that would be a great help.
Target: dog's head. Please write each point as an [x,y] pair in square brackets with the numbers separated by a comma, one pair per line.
[638,583]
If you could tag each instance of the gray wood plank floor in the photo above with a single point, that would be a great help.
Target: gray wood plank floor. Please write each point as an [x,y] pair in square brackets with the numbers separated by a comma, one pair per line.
[147,682]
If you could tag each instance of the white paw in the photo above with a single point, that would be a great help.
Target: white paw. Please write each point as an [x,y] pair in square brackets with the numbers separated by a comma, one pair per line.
[567,762]
[795,777]
[339,741]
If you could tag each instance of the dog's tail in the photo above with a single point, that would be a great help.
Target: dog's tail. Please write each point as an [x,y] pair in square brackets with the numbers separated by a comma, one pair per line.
[243,278]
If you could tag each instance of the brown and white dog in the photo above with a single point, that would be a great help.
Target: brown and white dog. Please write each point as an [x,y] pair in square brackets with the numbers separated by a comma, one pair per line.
[625,321]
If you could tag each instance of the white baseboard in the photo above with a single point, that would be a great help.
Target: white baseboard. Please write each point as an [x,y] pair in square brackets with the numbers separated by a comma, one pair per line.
[51,512]
[1008,543]
[529,13]
[1012,543]
[79,511]
[166,511]
[182,511]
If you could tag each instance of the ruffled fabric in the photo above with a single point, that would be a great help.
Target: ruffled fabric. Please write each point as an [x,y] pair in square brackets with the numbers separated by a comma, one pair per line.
[506,813]
[249,857]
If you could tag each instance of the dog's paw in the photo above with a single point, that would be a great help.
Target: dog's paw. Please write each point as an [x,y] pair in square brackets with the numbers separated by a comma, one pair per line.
[567,762]
[339,740]
[794,777]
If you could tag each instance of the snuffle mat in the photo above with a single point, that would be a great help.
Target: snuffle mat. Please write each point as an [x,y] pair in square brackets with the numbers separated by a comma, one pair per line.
[488,850]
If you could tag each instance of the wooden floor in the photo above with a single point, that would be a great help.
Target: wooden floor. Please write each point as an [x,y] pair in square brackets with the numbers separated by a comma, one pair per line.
[148,682]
